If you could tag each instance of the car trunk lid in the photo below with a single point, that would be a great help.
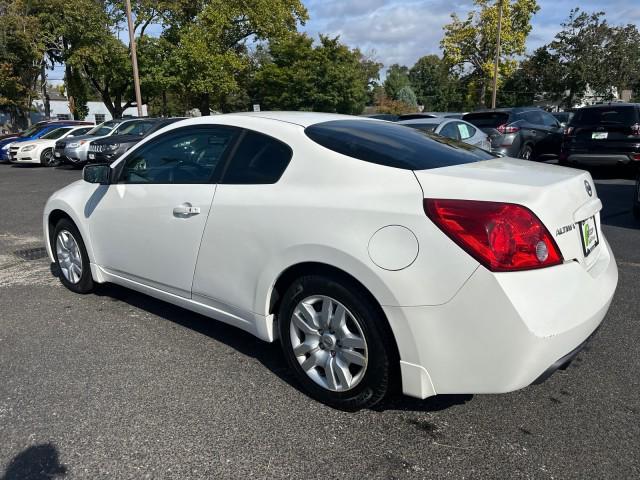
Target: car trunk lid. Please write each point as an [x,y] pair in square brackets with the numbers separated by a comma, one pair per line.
[558,196]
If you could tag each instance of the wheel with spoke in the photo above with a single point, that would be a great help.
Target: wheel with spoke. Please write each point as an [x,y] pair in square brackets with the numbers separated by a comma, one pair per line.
[71,257]
[47,159]
[526,153]
[332,337]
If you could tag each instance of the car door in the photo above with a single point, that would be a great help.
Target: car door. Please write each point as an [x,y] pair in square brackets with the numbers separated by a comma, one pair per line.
[537,132]
[553,132]
[147,226]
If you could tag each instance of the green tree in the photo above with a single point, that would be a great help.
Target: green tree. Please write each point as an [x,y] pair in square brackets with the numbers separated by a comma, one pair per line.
[408,96]
[397,77]
[329,77]
[436,87]
[470,44]
[211,53]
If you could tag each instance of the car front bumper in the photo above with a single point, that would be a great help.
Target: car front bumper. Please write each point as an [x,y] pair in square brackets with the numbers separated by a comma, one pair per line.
[502,331]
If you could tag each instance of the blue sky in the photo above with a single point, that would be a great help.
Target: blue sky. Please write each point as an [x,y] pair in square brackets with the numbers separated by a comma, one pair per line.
[401,31]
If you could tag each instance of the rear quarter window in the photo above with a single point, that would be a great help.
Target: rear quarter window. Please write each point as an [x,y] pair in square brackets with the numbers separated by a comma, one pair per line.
[393,145]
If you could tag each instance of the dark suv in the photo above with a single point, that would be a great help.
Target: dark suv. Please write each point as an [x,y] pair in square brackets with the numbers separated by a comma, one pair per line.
[603,135]
[523,132]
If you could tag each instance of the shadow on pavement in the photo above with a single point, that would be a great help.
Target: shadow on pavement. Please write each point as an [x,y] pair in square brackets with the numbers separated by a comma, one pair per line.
[38,462]
[268,354]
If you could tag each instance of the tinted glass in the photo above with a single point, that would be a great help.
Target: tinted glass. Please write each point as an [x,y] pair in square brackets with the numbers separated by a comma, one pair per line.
[188,155]
[611,115]
[258,159]
[392,145]
[57,133]
[549,120]
[533,116]
[29,132]
[80,131]
[450,131]
[487,119]
[135,128]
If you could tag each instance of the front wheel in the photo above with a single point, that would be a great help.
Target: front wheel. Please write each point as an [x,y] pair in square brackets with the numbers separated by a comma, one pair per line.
[332,337]
[71,257]
[47,158]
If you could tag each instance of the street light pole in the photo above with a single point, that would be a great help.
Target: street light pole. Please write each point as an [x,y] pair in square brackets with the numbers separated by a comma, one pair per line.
[134,58]
[497,62]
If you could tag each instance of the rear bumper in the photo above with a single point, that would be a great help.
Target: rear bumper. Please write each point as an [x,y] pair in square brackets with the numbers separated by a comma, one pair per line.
[502,332]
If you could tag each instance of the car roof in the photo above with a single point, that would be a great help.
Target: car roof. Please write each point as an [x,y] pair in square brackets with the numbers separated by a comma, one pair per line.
[427,121]
[303,119]
[612,104]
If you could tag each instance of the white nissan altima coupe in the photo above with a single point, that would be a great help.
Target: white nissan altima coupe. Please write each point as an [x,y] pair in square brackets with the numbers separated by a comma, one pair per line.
[374,252]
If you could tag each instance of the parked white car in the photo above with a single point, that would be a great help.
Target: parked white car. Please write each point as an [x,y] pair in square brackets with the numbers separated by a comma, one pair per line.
[372,251]
[40,151]
[452,128]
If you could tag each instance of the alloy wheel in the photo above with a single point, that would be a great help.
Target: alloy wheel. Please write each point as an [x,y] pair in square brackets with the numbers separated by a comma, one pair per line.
[328,343]
[69,257]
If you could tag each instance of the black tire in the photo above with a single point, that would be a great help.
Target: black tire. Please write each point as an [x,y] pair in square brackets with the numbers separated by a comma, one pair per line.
[526,153]
[375,382]
[85,283]
[47,159]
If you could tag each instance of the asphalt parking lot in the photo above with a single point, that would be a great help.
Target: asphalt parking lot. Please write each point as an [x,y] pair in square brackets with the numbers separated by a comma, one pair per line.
[119,385]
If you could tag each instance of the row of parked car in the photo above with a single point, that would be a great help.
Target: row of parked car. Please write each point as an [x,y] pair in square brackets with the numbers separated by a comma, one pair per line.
[607,134]
[74,142]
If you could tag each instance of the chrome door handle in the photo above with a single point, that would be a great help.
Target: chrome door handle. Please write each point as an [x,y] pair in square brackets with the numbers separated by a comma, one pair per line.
[185,210]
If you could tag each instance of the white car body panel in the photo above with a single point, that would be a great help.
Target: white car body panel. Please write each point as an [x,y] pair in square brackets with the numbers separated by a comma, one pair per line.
[40,144]
[459,328]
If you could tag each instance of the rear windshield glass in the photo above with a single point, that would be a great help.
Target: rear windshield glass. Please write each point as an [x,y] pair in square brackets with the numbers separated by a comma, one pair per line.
[487,119]
[393,145]
[622,115]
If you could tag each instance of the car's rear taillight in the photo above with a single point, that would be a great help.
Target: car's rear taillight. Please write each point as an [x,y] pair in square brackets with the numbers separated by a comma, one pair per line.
[503,237]
[505,129]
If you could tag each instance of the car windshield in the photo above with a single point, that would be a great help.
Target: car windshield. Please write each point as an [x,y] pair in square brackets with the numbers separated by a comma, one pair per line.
[57,133]
[393,145]
[136,128]
[30,131]
[487,119]
[101,130]
[614,115]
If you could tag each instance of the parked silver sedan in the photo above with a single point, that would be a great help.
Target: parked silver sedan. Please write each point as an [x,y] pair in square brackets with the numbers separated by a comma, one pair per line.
[452,128]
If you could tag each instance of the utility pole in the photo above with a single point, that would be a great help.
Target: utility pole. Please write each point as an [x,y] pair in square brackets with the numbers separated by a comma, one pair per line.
[497,62]
[134,58]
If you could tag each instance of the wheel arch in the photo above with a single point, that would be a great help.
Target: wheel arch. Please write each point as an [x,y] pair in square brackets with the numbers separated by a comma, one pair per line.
[52,216]
[306,268]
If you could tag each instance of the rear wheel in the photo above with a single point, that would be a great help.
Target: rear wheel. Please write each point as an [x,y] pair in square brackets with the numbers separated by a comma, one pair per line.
[71,257]
[526,153]
[47,159]
[332,339]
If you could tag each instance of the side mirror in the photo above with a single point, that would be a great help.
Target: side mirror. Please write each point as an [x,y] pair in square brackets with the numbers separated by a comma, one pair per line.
[97,174]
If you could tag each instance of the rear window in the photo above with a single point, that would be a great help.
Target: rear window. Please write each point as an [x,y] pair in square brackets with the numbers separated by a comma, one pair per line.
[621,115]
[393,145]
[487,119]
[425,127]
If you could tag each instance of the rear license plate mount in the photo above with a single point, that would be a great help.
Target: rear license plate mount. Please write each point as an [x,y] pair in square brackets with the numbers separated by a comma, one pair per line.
[589,235]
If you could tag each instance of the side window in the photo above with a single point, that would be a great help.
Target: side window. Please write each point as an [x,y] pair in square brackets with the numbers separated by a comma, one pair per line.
[450,131]
[188,155]
[534,117]
[259,159]
[550,120]
[465,131]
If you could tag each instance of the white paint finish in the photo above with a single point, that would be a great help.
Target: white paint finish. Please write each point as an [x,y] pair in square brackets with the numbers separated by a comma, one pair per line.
[459,328]
[137,236]
[393,247]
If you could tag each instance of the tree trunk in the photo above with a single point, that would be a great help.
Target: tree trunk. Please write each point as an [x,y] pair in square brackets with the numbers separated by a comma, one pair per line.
[165,108]
[45,93]
[482,93]
[205,104]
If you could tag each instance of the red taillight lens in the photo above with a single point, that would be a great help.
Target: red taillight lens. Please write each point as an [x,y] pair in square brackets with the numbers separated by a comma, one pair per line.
[503,237]
[504,129]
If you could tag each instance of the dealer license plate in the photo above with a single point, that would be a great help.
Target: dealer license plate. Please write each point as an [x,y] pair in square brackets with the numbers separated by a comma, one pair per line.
[599,135]
[589,235]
